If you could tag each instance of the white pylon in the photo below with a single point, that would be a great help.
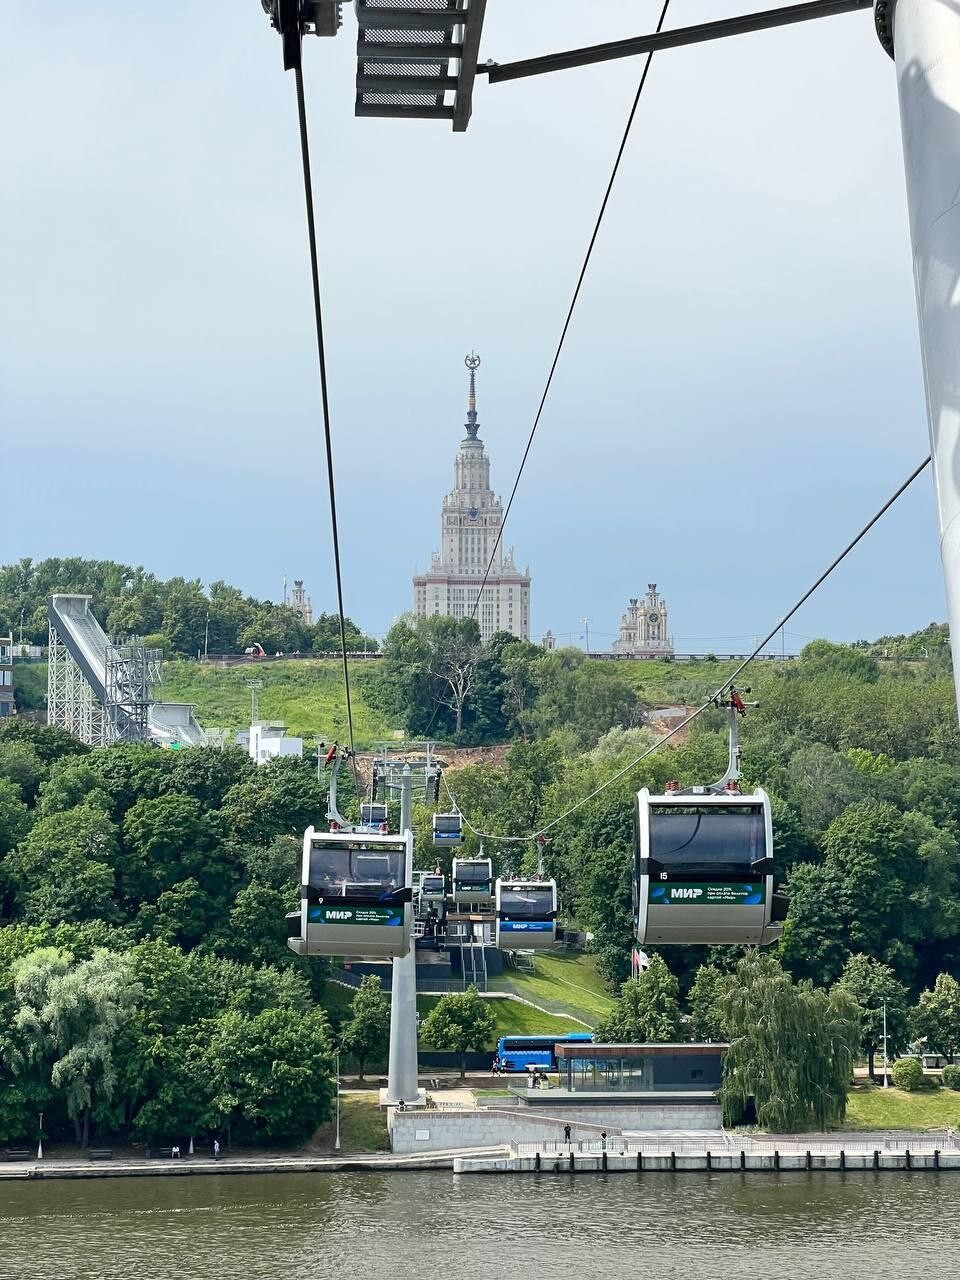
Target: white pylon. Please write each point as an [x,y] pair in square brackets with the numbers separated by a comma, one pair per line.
[924,38]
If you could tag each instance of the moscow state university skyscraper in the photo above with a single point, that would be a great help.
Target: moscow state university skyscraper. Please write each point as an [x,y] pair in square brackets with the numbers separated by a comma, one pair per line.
[469,528]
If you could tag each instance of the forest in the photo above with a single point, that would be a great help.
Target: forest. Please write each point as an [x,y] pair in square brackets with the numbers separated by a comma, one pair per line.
[177,616]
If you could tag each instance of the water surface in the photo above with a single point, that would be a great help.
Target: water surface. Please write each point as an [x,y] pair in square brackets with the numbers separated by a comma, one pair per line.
[854,1226]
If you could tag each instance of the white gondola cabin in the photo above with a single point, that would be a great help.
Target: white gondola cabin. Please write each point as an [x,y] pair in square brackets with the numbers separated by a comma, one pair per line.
[447,830]
[472,880]
[355,897]
[373,817]
[526,912]
[433,888]
[704,868]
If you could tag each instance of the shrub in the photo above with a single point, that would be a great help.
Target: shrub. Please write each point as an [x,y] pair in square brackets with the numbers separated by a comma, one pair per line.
[951,1076]
[907,1074]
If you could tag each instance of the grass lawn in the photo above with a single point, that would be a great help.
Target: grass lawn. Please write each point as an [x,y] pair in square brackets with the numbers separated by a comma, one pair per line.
[363,1126]
[565,982]
[872,1107]
[306,695]
[513,1019]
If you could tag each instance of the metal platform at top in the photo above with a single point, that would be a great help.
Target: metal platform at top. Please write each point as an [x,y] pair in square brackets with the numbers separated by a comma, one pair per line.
[418,58]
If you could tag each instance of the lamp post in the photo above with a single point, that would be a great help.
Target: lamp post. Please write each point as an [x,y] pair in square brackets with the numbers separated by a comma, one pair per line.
[886,1082]
[40,1139]
[336,1145]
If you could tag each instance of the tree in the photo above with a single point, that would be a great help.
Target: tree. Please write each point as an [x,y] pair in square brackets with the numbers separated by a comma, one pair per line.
[166,840]
[647,1010]
[460,1022]
[68,1017]
[873,985]
[706,1003]
[272,1075]
[63,869]
[792,1048]
[936,1018]
[14,816]
[367,1034]
[280,798]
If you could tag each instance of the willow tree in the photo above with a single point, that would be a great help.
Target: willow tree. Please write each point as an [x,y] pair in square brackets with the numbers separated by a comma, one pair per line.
[792,1048]
[67,1020]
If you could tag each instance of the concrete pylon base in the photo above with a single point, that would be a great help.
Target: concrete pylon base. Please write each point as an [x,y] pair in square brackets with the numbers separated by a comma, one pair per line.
[419,1101]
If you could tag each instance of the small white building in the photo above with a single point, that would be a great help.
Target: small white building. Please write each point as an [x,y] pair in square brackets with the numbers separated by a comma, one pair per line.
[268,740]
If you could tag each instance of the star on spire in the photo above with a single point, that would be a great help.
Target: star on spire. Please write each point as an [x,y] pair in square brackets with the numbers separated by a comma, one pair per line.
[472,361]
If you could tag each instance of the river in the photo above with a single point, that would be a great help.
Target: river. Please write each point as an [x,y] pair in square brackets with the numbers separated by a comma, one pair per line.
[696,1226]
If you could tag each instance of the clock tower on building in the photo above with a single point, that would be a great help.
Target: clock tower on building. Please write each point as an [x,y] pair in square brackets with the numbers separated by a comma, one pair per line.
[470,525]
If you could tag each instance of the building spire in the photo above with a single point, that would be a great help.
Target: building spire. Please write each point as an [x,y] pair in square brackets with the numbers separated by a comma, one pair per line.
[472,362]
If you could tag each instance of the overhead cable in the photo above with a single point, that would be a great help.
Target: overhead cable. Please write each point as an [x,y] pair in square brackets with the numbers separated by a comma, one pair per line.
[573,303]
[325,402]
[712,701]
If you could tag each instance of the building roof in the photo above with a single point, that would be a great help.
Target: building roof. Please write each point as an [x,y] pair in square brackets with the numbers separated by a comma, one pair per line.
[585,1050]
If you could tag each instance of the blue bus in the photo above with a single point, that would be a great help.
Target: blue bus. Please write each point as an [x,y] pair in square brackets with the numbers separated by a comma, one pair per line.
[516,1053]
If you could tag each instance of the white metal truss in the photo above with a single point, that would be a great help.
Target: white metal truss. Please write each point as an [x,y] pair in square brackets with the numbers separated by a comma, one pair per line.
[71,703]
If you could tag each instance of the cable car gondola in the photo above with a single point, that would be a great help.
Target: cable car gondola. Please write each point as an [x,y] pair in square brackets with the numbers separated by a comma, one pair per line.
[447,830]
[526,914]
[472,880]
[355,896]
[373,817]
[703,870]
[704,874]
[433,888]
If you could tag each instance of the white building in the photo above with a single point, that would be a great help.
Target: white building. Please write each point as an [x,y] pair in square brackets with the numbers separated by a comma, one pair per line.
[643,628]
[471,519]
[268,739]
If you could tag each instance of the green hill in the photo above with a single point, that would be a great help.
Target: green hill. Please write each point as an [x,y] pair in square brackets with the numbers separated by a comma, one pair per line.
[307,694]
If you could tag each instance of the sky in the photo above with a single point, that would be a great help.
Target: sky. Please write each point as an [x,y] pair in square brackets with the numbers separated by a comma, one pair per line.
[740,388]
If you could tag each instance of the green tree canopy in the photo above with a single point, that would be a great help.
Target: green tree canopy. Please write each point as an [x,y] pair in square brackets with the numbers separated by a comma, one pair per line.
[647,1010]
[874,986]
[936,1018]
[460,1022]
[366,1035]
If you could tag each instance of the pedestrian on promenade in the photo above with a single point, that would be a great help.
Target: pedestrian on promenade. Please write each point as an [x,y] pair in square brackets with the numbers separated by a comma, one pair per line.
[603,1139]
[566,1134]
[174,1153]
[216,1149]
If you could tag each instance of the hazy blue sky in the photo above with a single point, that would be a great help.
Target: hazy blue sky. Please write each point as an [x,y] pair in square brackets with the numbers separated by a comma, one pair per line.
[741,386]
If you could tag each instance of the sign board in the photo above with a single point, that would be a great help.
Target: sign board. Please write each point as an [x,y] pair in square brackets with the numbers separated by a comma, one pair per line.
[526,926]
[422,1135]
[702,893]
[330,913]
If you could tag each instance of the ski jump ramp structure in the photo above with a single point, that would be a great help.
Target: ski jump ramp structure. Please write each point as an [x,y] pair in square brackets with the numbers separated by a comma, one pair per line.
[103,692]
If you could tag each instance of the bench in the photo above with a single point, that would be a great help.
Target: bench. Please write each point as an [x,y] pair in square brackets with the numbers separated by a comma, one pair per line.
[17,1154]
[100,1153]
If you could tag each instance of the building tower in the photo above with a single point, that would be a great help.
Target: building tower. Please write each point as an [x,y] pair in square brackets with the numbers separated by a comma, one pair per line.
[300,602]
[470,524]
[643,628]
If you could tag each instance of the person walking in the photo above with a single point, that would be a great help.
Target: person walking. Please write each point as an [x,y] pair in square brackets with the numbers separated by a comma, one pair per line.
[566,1134]
[216,1149]
[603,1139]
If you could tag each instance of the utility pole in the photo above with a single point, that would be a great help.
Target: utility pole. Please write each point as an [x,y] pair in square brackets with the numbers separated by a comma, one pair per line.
[402,1083]
[206,637]
[886,1082]
[586,627]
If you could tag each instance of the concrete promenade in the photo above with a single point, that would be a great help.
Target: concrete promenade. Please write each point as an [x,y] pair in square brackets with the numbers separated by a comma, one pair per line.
[192,1166]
